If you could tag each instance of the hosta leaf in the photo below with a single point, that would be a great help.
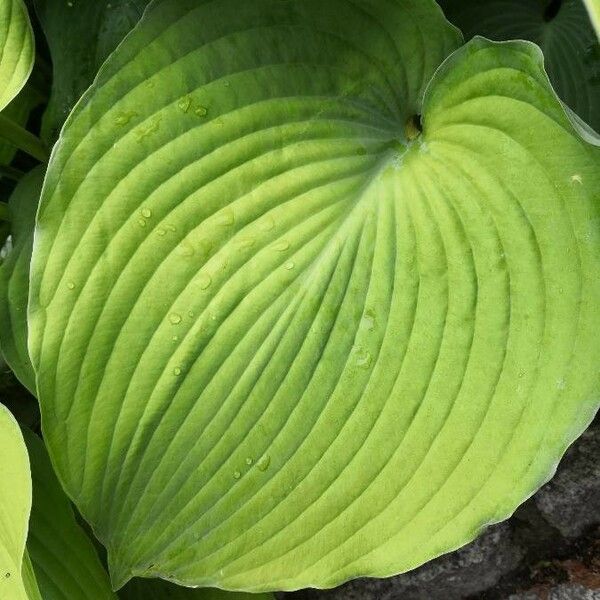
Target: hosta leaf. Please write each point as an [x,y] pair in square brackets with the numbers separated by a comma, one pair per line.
[283,339]
[63,557]
[562,29]
[141,589]
[593,7]
[14,277]
[17,50]
[15,504]
[95,29]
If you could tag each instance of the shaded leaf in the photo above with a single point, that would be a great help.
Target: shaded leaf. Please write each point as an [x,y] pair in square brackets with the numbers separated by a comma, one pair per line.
[95,27]
[14,277]
[561,28]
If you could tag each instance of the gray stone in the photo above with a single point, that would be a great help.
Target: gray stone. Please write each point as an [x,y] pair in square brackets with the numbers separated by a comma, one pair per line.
[571,501]
[560,592]
[465,572]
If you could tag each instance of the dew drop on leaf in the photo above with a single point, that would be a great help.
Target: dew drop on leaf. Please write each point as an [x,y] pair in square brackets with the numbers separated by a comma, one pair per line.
[184,104]
[369,320]
[146,213]
[201,111]
[281,246]
[267,224]
[249,461]
[204,281]
[289,266]
[263,463]
[124,118]
[363,358]
[237,475]
[175,318]
[71,285]
[177,371]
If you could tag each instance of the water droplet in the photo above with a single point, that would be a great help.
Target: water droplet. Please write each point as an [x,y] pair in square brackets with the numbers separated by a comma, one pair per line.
[177,371]
[281,245]
[267,224]
[186,249]
[175,338]
[369,320]
[70,4]
[191,314]
[185,103]
[71,285]
[237,475]
[227,83]
[171,228]
[577,179]
[125,117]
[7,575]
[148,129]
[263,463]
[204,281]
[175,318]
[363,358]
[146,213]
[141,222]
[289,266]
[161,231]
[249,461]
[201,111]
[245,242]
[226,217]
[561,384]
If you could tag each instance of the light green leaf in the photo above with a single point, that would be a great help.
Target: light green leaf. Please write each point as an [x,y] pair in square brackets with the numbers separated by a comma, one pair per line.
[561,28]
[17,50]
[155,589]
[15,504]
[593,8]
[282,339]
[64,559]
[95,28]
[14,277]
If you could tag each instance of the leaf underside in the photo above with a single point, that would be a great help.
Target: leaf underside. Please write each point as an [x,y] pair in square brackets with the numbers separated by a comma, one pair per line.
[16,49]
[14,277]
[562,30]
[282,338]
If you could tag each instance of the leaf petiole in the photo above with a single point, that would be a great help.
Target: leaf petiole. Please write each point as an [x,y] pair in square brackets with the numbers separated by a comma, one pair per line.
[22,139]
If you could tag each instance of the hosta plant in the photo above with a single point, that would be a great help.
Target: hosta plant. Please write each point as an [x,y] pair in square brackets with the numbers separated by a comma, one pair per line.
[306,291]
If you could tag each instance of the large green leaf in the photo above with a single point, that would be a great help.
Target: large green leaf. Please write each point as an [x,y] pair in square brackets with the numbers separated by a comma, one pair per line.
[81,34]
[15,504]
[63,557]
[281,337]
[14,277]
[144,589]
[17,50]
[562,29]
